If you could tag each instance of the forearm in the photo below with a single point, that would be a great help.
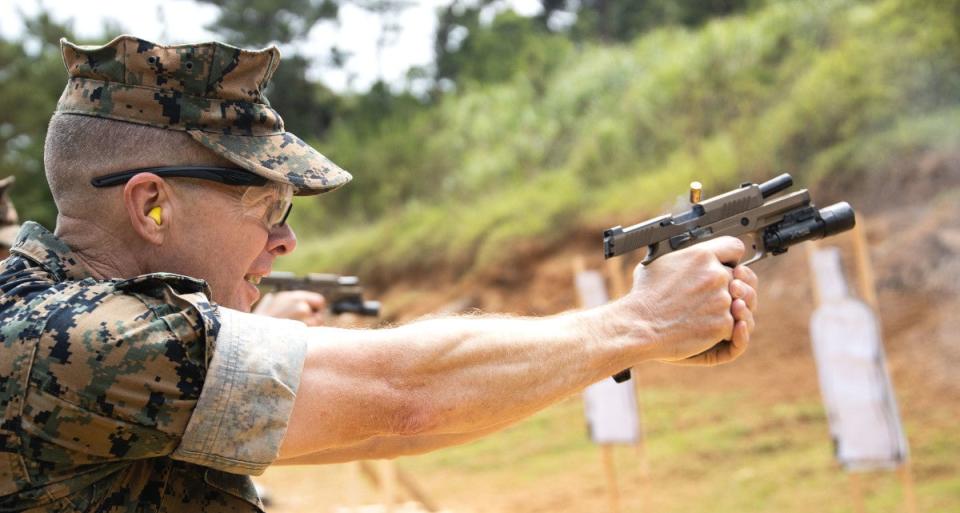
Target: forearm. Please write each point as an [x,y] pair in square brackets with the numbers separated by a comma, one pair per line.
[450,376]
[389,447]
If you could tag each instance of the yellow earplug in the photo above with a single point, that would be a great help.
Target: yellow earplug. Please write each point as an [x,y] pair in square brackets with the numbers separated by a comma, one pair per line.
[155,215]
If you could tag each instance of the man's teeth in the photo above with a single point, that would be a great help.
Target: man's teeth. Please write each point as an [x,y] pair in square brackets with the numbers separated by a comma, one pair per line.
[253,278]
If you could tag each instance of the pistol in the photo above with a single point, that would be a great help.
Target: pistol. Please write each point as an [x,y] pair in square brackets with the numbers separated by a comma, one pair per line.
[768,223]
[344,294]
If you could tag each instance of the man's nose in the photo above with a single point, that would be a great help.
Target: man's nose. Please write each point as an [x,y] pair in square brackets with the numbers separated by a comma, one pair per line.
[281,240]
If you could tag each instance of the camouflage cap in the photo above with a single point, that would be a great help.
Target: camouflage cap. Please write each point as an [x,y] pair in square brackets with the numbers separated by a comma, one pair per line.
[212,91]
[9,223]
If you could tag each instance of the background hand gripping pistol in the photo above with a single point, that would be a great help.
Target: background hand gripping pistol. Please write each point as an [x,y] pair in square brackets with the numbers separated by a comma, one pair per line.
[344,294]
[767,224]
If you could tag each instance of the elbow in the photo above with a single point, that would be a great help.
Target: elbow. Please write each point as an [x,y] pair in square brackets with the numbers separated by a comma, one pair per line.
[414,413]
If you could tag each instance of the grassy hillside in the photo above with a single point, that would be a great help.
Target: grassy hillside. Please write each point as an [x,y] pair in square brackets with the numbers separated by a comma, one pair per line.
[818,88]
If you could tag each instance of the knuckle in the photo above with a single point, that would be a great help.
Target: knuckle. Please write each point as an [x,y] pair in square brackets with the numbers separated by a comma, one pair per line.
[702,254]
[738,288]
[720,276]
[738,244]
[724,300]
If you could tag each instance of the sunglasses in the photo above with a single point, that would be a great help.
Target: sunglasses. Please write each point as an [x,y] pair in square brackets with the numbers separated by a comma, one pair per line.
[276,211]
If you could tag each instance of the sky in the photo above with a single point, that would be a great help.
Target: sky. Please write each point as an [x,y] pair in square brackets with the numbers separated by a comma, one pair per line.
[180,21]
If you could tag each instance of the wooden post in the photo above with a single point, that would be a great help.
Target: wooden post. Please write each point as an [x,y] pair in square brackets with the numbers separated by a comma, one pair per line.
[373,475]
[856,493]
[868,292]
[861,251]
[610,470]
[606,451]
[618,282]
[812,247]
[353,470]
[579,265]
[415,491]
[905,472]
[620,286]
[388,480]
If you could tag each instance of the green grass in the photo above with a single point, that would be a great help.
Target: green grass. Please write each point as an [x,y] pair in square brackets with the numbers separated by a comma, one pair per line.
[721,452]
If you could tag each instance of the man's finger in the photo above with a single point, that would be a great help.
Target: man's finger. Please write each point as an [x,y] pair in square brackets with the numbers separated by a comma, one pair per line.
[739,341]
[723,352]
[746,274]
[316,302]
[741,290]
[728,250]
[741,312]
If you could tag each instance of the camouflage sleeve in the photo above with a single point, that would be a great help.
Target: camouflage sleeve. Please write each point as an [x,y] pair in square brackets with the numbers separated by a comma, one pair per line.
[241,417]
[116,374]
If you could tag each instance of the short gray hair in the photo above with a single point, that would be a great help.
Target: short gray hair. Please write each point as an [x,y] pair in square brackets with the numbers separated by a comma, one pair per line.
[79,148]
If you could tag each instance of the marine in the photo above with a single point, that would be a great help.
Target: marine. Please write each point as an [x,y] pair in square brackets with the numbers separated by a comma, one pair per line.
[133,377]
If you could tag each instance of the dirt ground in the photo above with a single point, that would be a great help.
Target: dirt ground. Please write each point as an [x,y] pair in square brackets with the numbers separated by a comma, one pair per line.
[913,229]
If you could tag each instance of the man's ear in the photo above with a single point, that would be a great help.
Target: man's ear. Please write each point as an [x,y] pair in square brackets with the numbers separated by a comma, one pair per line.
[144,193]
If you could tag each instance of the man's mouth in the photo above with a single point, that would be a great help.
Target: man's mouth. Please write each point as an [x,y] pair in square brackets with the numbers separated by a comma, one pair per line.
[253,279]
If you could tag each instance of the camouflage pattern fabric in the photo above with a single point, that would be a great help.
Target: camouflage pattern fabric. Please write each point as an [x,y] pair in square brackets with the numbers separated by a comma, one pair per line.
[212,91]
[102,383]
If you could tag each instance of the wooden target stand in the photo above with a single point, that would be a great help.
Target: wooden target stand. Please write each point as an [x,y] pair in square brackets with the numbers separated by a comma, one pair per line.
[388,480]
[619,286]
[867,290]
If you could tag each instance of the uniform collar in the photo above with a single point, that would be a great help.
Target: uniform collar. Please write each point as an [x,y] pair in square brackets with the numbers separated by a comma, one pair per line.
[37,243]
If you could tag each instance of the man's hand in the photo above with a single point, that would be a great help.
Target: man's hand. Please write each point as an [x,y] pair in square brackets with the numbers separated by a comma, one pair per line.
[700,309]
[299,305]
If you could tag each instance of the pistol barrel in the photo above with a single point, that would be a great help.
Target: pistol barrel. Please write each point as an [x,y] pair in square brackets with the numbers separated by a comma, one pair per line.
[775,185]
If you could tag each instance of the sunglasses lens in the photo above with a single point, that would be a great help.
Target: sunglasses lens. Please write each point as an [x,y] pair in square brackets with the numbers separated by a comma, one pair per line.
[271,203]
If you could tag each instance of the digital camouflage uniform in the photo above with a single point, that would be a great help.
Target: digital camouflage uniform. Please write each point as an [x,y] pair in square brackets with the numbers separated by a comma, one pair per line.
[140,394]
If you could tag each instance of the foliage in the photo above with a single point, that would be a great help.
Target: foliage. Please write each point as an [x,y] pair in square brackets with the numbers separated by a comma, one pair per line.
[262,22]
[623,20]
[307,107]
[470,54]
[31,80]
[815,88]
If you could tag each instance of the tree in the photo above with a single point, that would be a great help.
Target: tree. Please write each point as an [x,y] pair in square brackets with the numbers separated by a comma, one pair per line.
[31,80]
[622,20]
[468,51]
[262,22]
[389,12]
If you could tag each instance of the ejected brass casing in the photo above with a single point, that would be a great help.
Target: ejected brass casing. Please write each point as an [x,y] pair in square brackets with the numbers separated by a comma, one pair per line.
[696,192]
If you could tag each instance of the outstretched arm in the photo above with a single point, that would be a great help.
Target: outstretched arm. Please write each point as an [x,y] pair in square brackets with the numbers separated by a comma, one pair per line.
[443,381]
